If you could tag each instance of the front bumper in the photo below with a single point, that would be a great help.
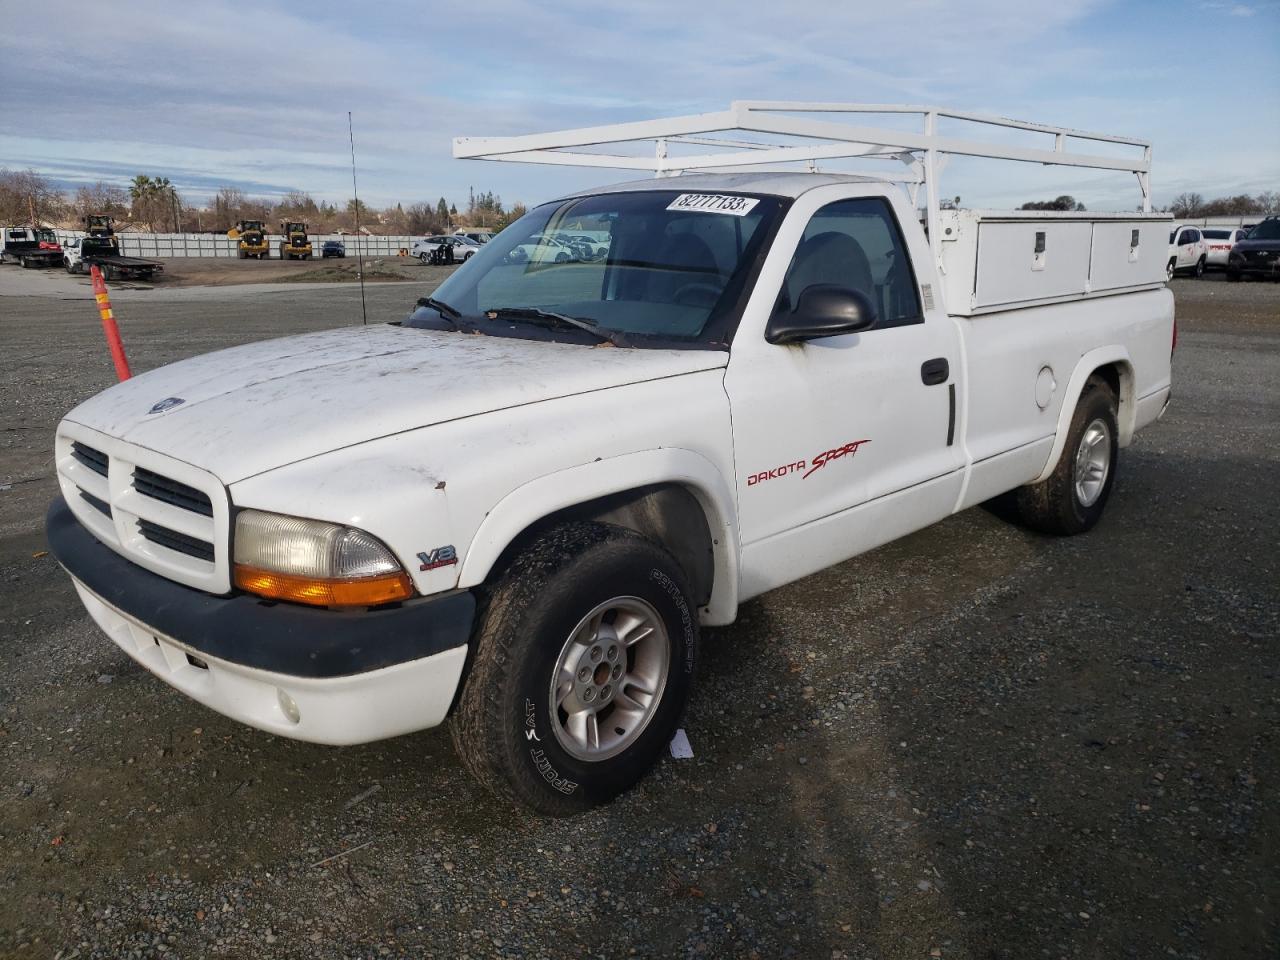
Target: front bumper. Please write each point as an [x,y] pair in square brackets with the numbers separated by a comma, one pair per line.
[334,677]
[1254,265]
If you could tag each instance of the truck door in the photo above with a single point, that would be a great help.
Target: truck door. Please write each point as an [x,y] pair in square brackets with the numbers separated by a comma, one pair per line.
[848,441]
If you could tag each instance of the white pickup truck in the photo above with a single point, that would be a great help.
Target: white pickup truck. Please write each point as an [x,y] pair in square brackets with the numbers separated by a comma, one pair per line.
[516,508]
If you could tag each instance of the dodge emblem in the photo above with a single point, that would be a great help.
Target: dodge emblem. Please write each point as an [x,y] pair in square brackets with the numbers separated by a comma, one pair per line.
[168,403]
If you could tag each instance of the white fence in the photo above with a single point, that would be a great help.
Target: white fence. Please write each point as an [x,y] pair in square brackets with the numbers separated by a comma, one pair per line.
[159,245]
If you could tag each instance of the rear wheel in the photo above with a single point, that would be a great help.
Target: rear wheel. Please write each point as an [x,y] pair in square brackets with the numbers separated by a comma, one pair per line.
[1072,499]
[583,660]
[1200,268]
[1171,269]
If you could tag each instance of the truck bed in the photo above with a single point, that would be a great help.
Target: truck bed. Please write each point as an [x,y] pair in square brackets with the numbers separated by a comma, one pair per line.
[32,256]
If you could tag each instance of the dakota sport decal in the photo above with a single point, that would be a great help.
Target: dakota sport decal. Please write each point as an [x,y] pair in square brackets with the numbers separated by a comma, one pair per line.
[808,468]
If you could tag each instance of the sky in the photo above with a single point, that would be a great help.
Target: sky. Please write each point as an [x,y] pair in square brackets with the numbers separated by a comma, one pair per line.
[256,95]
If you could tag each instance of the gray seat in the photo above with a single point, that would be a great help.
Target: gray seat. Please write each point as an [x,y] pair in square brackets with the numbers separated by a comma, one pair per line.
[688,260]
[830,257]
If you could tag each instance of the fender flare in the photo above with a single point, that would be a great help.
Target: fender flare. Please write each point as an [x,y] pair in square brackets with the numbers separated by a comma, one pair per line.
[1091,361]
[530,502]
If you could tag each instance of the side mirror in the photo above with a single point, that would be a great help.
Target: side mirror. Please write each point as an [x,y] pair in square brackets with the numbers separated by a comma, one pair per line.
[823,310]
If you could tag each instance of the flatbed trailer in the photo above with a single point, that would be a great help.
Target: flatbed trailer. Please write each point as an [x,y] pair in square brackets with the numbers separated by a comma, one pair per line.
[23,245]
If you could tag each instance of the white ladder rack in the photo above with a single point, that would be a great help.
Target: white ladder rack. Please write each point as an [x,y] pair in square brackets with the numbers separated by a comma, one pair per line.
[808,140]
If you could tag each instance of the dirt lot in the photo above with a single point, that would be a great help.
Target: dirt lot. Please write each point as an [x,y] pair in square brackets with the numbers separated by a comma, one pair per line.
[972,743]
[206,271]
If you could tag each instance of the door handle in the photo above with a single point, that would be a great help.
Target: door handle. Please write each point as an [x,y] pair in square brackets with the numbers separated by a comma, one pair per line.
[935,371]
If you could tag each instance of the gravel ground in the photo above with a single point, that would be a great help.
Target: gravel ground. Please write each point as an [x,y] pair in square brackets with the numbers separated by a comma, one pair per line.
[972,743]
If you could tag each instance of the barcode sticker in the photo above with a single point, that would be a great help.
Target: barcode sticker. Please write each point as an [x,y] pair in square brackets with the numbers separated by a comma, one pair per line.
[927,290]
[713,203]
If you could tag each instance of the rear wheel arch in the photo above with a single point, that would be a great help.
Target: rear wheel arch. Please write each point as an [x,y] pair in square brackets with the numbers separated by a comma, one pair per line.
[1119,377]
[1113,366]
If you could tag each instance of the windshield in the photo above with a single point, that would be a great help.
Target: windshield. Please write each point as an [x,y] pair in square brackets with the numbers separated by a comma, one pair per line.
[656,264]
[1266,230]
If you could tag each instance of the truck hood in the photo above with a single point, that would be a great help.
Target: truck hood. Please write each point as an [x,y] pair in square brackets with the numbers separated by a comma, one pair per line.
[263,405]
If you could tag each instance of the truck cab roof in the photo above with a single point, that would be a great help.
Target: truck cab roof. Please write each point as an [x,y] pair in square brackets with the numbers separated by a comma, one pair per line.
[774,183]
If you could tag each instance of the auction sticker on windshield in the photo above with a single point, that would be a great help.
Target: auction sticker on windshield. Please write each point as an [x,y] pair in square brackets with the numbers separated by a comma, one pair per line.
[713,203]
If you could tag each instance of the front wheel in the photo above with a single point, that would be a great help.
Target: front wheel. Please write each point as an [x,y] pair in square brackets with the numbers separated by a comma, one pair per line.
[424,257]
[583,660]
[1073,497]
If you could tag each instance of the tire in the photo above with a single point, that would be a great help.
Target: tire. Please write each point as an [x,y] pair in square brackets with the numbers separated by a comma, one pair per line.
[1200,268]
[1233,276]
[467,256]
[66,262]
[1172,269]
[424,257]
[505,728]
[1072,499]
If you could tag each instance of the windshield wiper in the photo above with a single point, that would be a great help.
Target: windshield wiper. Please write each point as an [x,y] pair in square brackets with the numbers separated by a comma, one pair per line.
[547,318]
[442,308]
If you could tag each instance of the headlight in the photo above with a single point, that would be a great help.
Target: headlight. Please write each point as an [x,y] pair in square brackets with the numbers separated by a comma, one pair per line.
[309,561]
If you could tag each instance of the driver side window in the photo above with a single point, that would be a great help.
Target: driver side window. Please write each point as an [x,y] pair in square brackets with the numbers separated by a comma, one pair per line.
[856,244]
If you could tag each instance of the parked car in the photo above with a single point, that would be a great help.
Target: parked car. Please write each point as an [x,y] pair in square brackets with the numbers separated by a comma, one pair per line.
[1220,240]
[588,247]
[1187,251]
[333,248]
[545,248]
[463,247]
[1258,254]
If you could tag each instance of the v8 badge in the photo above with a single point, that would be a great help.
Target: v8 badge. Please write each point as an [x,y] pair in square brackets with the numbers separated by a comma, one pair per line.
[439,557]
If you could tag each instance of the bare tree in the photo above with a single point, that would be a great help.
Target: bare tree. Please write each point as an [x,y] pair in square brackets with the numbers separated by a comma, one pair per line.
[101,197]
[28,197]
[228,207]
[1187,205]
[421,219]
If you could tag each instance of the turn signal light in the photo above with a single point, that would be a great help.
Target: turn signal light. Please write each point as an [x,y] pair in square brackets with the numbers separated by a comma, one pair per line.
[361,592]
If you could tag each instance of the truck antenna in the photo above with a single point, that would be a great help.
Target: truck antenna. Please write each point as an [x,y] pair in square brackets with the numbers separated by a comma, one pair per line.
[355,193]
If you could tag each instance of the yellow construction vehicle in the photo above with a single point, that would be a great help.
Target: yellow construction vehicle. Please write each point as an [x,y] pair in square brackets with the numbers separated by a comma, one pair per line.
[253,239]
[295,242]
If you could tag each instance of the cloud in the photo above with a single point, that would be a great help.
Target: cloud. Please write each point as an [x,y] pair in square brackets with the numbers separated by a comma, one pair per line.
[257,96]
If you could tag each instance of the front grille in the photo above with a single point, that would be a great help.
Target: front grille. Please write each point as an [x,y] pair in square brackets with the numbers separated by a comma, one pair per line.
[97,503]
[162,488]
[95,460]
[172,539]
[167,516]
